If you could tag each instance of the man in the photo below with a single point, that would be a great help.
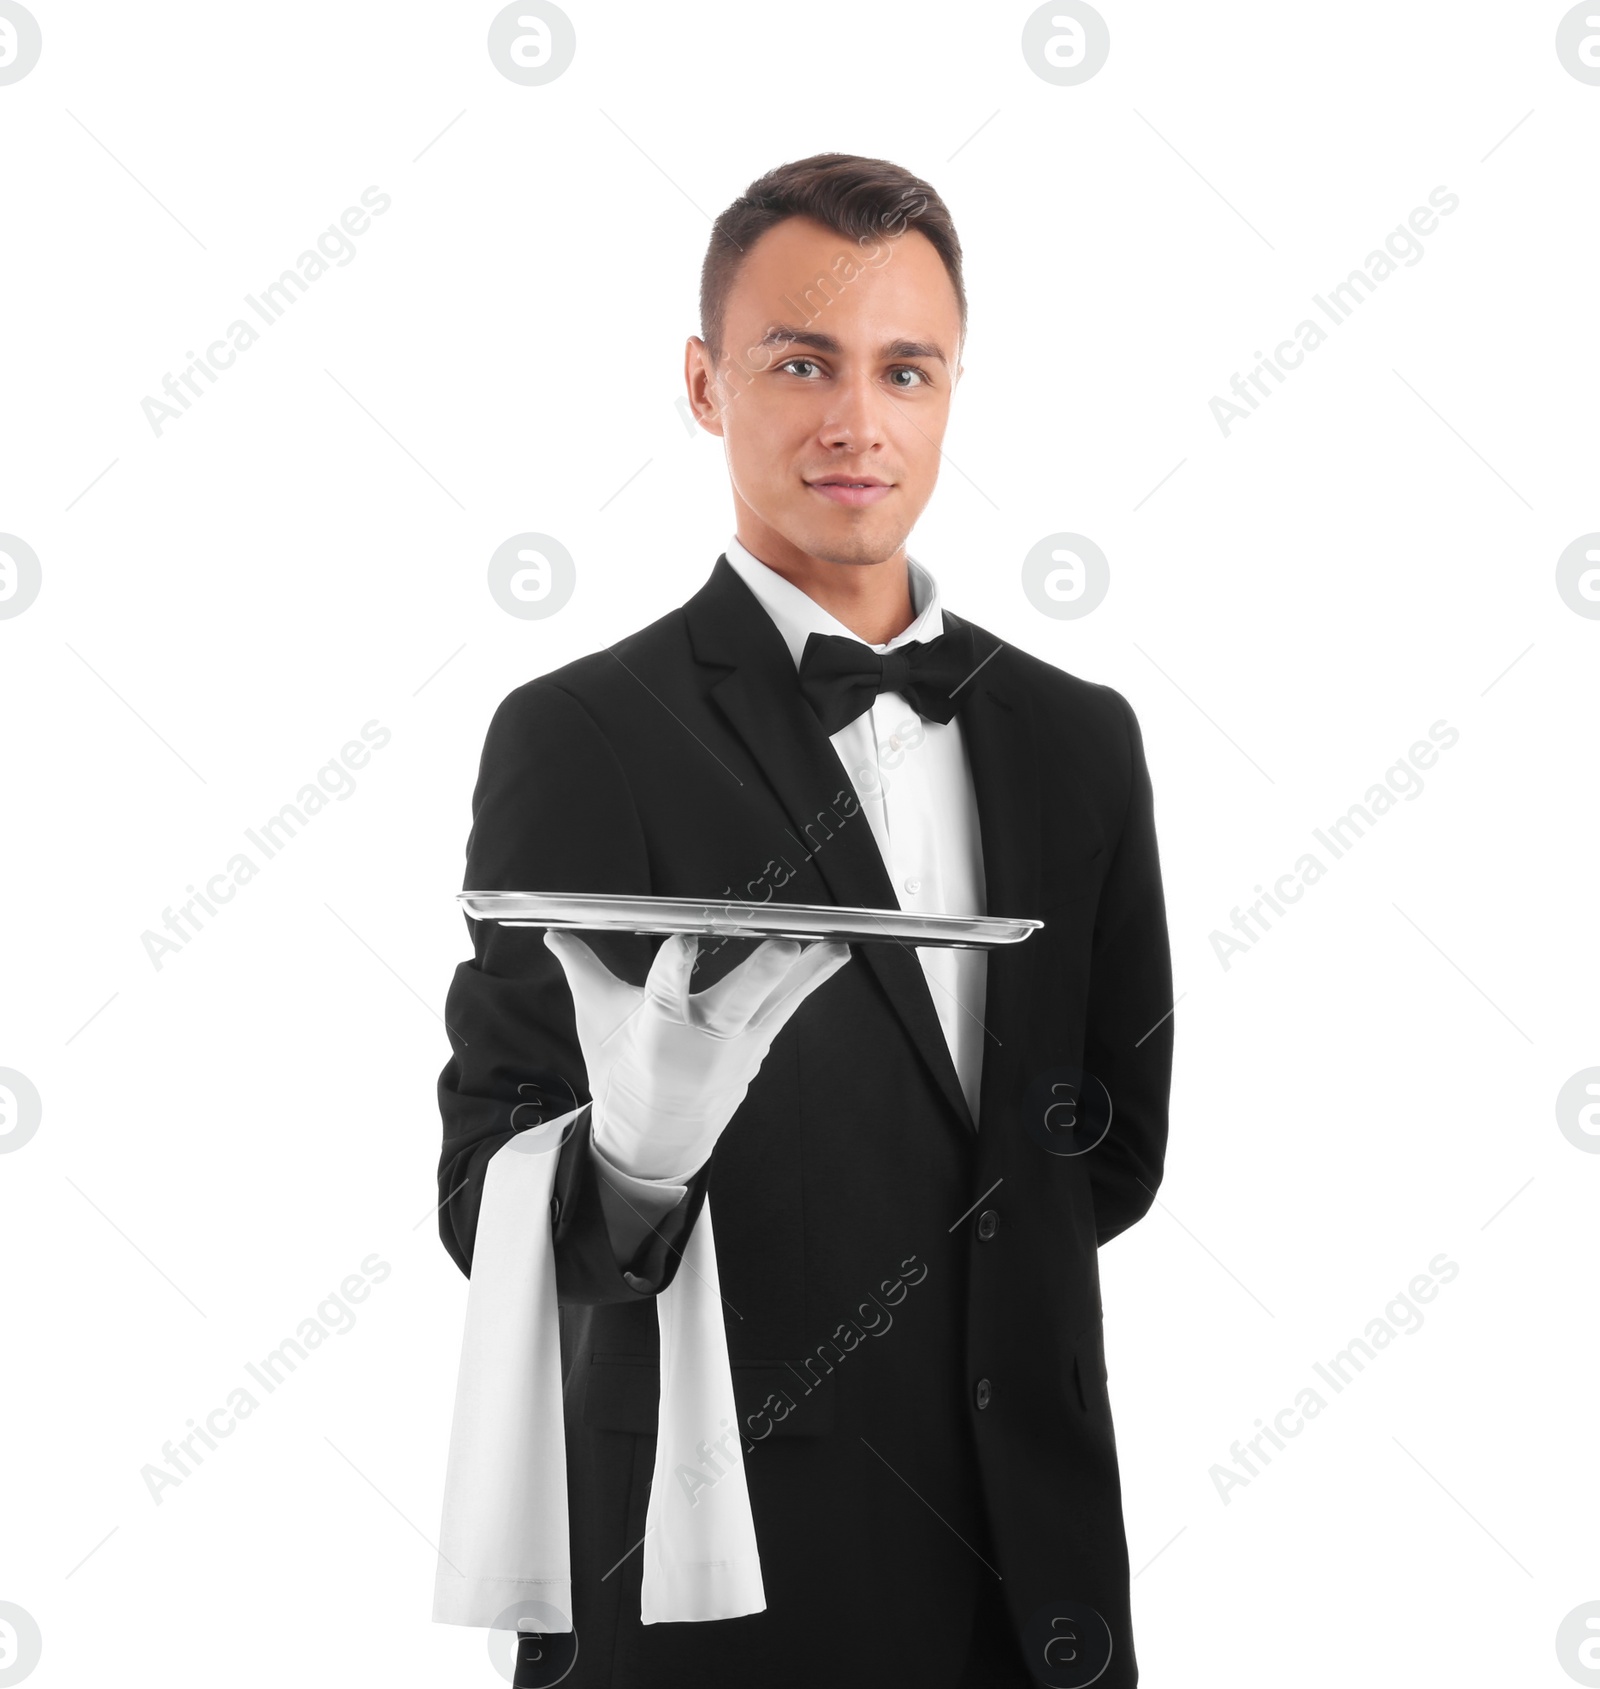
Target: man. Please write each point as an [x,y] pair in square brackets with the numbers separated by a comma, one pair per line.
[908,1207]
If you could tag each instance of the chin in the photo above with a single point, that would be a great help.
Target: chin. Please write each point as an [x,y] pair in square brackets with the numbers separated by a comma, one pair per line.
[855,547]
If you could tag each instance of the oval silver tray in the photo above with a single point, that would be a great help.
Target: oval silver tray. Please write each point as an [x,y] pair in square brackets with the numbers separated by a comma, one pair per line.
[723,918]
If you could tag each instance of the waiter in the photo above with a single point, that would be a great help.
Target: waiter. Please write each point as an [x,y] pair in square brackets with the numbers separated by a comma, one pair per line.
[914,1181]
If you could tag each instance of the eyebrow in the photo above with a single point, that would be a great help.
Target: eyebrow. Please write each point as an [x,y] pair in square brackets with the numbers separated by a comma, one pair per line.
[780,334]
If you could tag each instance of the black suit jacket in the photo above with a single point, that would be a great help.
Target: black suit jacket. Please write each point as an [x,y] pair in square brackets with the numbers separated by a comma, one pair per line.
[912,1305]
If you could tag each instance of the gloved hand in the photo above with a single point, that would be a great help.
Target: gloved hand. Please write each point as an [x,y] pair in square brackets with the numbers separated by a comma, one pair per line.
[669,1068]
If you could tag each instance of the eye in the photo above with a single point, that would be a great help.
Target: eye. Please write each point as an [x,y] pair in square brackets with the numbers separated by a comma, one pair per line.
[908,369]
[791,363]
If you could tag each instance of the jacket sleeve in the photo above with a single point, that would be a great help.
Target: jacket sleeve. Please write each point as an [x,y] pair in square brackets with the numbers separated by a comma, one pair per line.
[551,812]
[1129,1033]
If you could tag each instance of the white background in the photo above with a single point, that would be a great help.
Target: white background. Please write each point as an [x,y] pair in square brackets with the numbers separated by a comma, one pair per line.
[225,1138]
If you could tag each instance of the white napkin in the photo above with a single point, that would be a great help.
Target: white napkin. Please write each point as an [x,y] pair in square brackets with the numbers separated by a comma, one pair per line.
[504,1537]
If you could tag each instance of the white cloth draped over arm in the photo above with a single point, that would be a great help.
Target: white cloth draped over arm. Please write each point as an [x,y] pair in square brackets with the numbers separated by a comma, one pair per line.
[504,1539]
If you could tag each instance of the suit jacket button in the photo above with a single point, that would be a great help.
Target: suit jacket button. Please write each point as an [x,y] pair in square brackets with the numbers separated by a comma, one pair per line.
[988,1223]
[555,1210]
[984,1393]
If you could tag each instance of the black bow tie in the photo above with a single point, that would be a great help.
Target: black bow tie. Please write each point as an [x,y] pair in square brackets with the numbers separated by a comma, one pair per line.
[840,677]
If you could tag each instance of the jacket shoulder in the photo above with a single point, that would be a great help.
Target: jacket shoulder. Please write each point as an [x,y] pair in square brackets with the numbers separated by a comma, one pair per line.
[1057,694]
[599,678]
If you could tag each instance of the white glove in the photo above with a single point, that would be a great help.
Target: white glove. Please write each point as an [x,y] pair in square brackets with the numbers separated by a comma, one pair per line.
[668,1069]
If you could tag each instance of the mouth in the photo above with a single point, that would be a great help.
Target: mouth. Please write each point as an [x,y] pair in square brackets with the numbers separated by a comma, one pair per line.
[854,490]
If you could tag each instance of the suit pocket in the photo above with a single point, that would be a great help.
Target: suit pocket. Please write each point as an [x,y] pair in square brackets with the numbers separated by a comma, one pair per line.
[624,1394]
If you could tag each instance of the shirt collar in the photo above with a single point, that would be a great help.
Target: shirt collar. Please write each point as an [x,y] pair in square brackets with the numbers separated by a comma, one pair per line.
[797,614]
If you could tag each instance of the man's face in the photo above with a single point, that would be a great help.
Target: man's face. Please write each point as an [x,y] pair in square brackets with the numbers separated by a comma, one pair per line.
[838,363]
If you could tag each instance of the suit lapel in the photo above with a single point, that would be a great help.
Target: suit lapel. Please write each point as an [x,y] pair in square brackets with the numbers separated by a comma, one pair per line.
[759,697]
[997,724]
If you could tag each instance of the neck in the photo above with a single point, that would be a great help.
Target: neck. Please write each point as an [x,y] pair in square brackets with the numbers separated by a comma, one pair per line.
[872,599]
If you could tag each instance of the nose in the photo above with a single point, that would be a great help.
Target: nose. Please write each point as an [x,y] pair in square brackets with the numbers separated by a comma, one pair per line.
[854,420]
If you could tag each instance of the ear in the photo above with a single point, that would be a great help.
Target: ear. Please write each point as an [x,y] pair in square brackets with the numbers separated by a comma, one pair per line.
[699,376]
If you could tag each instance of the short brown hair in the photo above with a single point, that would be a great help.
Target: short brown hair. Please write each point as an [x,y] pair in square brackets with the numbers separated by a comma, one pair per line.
[860,197]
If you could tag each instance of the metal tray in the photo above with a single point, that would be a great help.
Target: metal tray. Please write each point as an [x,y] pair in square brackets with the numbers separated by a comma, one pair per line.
[722,918]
